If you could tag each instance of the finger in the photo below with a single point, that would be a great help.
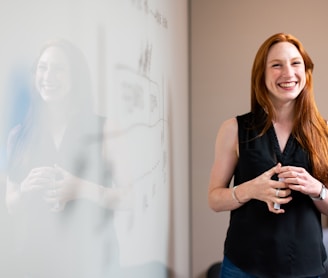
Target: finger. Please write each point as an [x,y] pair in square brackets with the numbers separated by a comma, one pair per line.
[43,171]
[290,177]
[32,187]
[296,187]
[282,192]
[280,184]
[274,170]
[274,210]
[289,168]
[281,201]
[290,181]
[275,207]
[292,171]
[40,180]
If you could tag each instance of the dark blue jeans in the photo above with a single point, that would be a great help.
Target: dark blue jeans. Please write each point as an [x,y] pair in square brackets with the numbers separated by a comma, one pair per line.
[229,270]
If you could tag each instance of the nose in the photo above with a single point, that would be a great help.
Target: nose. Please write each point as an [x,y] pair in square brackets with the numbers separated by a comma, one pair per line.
[287,71]
[49,74]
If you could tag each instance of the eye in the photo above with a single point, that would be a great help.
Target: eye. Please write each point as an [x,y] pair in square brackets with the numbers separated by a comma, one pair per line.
[59,68]
[41,67]
[277,65]
[297,63]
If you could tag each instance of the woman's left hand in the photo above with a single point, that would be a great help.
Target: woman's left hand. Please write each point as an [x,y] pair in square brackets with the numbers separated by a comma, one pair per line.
[298,179]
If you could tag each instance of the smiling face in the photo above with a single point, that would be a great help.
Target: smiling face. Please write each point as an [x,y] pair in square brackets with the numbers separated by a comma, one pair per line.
[53,75]
[285,72]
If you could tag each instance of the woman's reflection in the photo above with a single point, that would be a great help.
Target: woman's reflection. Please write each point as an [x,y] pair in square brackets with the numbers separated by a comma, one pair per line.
[58,186]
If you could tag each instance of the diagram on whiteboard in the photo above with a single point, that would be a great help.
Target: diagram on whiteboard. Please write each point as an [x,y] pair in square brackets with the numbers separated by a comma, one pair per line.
[137,129]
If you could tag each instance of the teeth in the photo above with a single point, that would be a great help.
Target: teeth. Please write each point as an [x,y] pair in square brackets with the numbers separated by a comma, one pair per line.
[46,87]
[287,84]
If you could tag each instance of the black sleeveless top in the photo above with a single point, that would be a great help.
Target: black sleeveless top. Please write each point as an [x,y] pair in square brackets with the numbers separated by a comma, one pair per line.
[259,241]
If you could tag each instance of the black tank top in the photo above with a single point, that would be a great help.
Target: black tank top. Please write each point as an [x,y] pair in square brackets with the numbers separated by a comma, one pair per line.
[259,241]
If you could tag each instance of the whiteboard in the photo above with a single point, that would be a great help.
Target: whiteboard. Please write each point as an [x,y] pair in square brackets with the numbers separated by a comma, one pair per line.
[130,47]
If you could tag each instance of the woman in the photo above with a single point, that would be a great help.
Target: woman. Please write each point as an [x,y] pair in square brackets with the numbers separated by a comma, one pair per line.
[58,186]
[280,174]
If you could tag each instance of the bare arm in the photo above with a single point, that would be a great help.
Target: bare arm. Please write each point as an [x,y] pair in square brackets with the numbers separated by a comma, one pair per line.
[225,161]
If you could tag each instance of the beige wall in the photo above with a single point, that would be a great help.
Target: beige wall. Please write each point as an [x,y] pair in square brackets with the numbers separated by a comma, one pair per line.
[225,36]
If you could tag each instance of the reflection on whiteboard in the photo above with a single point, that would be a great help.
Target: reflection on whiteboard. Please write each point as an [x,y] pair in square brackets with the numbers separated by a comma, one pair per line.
[127,50]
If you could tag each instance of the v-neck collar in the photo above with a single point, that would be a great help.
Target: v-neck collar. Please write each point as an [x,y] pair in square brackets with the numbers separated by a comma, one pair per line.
[281,154]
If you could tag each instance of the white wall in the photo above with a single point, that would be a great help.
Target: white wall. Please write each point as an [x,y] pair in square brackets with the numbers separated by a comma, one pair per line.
[225,36]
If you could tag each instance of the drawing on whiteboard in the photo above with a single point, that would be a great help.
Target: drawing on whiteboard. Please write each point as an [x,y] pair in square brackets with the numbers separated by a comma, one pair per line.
[137,127]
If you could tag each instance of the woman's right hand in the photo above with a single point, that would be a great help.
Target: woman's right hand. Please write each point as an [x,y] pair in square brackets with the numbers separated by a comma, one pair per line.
[271,191]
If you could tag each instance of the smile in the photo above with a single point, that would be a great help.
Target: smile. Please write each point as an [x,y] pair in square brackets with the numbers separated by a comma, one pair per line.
[49,87]
[288,84]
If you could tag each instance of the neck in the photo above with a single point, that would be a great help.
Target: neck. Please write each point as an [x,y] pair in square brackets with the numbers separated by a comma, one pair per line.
[284,114]
[57,119]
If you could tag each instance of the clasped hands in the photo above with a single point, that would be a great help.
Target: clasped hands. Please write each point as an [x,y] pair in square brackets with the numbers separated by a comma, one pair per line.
[57,186]
[279,192]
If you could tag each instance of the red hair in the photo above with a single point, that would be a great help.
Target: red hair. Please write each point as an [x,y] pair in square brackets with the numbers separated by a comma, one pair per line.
[310,129]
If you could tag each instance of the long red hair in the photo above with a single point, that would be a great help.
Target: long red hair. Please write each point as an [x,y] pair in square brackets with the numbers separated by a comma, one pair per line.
[310,129]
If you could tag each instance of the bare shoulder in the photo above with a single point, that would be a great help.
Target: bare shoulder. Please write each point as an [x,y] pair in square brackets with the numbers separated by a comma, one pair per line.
[229,127]
[227,137]
[226,150]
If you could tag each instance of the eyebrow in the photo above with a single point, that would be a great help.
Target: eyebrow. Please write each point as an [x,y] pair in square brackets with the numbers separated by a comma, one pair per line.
[55,64]
[281,60]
